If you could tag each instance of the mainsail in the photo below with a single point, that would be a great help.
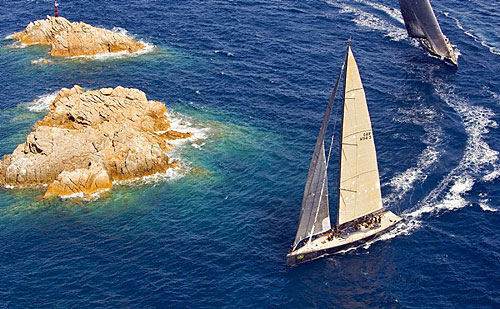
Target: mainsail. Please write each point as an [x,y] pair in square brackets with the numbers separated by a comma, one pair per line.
[421,23]
[314,214]
[359,185]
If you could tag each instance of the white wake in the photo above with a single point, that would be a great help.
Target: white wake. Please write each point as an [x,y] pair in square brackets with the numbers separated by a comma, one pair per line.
[394,13]
[470,33]
[373,22]
[479,163]
[430,121]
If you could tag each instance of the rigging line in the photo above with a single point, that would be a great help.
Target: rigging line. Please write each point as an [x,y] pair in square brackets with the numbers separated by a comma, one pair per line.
[324,125]
[341,139]
[325,176]
[332,98]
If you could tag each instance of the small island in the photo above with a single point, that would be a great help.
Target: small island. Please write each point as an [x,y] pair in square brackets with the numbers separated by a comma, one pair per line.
[89,139]
[75,38]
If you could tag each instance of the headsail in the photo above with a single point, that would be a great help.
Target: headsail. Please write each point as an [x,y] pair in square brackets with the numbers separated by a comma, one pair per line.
[421,23]
[314,214]
[315,200]
[359,185]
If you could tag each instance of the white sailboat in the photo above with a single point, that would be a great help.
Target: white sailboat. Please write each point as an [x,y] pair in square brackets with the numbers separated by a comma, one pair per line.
[360,213]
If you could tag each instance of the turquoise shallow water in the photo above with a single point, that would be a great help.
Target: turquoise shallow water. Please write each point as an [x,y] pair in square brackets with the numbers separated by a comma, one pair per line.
[254,77]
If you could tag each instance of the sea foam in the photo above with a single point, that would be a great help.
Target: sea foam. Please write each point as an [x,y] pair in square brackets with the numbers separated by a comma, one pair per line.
[429,120]
[218,51]
[42,103]
[169,175]
[478,161]
[392,12]
[17,45]
[85,198]
[184,124]
[370,21]
[148,48]
[470,33]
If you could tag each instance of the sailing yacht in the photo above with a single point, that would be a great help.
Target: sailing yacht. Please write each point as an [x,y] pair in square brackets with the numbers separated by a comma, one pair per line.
[421,23]
[359,212]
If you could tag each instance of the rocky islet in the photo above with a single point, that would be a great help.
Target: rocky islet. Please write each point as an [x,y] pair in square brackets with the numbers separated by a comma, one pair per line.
[89,139]
[75,38]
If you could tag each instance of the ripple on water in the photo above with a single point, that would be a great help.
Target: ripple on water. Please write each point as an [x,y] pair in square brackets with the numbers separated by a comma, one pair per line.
[218,235]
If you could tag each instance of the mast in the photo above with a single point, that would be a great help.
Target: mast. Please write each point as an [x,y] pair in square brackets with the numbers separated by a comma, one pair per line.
[348,47]
[314,215]
[359,183]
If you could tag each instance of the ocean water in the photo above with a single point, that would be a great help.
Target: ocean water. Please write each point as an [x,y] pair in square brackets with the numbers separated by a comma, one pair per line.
[252,79]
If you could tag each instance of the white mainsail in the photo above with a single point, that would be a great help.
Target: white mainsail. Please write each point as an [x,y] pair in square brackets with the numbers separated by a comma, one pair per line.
[359,190]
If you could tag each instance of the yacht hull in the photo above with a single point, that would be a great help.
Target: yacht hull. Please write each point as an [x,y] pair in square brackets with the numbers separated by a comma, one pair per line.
[452,59]
[322,246]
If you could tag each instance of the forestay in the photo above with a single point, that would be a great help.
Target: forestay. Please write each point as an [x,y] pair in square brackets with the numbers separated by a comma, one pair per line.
[421,22]
[359,190]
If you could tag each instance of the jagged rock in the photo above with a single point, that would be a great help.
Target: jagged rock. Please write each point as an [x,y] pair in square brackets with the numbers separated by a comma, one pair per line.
[176,135]
[86,135]
[75,38]
[85,180]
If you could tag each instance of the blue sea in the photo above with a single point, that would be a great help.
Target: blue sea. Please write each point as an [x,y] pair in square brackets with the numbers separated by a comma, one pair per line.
[252,79]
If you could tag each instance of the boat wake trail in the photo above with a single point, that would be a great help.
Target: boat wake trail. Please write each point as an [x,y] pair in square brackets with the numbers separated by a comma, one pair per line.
[392,12]
[470,33]
[373,22]
[479,163]
[429,120]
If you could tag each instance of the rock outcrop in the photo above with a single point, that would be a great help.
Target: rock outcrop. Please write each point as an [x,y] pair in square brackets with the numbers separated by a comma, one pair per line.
[90,139]
[85,180]
[75,38]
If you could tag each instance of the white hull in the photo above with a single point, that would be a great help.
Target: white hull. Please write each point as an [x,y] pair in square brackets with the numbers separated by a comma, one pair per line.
[322,245]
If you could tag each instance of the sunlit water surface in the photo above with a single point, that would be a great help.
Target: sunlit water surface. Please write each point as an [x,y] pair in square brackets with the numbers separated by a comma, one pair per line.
[253,79]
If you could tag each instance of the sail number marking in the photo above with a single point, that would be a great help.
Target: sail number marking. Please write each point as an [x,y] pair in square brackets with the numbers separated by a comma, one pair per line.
[366,136]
